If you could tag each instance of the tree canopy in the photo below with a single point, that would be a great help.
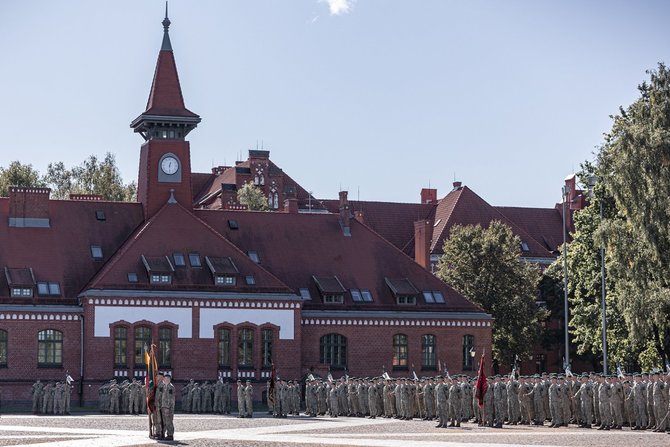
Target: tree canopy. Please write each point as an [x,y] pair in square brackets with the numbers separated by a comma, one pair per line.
[18,174]
[485,265]
[252,196]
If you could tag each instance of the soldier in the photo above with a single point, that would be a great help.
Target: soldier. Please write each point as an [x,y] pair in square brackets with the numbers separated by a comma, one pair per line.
[604,400]
[196,398]
[156,416]
[333,399]
[372,400]
[114,397]
[487,414]
[616,403]
[442,394]
[37,396]
[555,403]
[429,399]
[167,402]
[512,388]
[455,403]
[363,398]
[227,393]
[240,400]
[525,394]
[498,401]
[585,396]
[659,394]
[249,399]
[640,403]
[538,400]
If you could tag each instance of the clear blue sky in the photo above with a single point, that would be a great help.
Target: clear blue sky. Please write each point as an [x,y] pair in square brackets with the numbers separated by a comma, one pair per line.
[508,96]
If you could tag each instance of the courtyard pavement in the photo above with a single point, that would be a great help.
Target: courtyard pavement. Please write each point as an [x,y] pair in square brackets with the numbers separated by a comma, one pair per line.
[92,430]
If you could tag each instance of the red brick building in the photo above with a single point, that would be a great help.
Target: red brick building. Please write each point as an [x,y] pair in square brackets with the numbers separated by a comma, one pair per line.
[88,284]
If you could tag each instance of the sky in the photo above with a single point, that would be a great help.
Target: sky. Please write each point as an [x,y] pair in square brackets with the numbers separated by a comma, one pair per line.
[378,97]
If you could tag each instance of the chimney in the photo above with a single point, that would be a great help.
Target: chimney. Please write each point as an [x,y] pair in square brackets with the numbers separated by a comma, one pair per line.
[291,206]
[428,195]
[29,207]
[457,186]
[423,234]
[345,213]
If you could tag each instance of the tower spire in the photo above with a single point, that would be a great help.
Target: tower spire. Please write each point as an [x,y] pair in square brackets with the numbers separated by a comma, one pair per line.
[166,46]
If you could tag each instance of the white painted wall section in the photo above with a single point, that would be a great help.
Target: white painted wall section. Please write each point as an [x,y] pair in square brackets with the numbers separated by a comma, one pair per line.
[106,315]
[282,318]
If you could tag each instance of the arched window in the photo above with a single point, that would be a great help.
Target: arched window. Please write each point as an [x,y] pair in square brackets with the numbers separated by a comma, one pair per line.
[224,348]
[165,347]
[333,350]
[468,345]
[428,353]
[245,347]
[120,347]
[262,180]
[275,205]
[50,348]
[3,348]
[400,351]
[266,355]
[256,180]
[142,342]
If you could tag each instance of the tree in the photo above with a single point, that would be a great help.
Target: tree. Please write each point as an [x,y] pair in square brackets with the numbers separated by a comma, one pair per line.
[17,174]
[485,265]
[91,177]
[253,197]
[634,166]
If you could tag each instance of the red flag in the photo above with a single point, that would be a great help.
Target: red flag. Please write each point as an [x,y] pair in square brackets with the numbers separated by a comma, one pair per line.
[150,379]
[482,385]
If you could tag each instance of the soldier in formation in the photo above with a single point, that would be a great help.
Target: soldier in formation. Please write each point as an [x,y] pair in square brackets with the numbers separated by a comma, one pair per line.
[52,398]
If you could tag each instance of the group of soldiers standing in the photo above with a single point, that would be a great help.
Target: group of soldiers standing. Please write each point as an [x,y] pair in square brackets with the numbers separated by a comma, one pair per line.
[206,398]
[127,397]
[52,397]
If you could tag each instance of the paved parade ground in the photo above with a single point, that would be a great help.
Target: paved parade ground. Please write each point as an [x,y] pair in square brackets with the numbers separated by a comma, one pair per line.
[93,430]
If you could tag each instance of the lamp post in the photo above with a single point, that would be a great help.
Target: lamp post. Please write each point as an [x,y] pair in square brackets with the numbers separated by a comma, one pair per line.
[592,183]
[565,191]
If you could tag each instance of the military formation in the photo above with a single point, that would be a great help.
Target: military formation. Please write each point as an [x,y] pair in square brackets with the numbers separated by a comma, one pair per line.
[51,397]
[207,397]
[127,397]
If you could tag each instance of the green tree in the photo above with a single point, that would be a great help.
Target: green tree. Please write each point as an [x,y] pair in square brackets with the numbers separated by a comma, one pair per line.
[253,197]
[17,174]
[485,265]
[93,176]
[634,165]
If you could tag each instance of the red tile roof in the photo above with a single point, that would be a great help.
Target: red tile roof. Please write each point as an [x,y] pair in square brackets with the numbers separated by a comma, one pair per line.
[165,98]
[62,253]
[173,229]
[296,247]
[545,225]
[393,221]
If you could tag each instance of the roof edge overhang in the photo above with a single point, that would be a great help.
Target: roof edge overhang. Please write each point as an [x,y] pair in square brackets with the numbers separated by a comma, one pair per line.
[434,315]
[40,308]
[168,119]
[117,293]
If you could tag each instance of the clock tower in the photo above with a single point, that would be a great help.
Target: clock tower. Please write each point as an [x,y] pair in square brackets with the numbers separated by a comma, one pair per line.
[165,156]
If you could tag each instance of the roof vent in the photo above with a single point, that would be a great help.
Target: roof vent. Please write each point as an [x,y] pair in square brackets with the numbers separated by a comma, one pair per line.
[457,186]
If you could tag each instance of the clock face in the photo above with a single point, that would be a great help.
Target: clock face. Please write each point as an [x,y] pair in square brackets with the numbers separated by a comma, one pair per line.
[170,165]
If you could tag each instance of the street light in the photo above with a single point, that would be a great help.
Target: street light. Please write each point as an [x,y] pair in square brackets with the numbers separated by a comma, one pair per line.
[593,179]
[565,191]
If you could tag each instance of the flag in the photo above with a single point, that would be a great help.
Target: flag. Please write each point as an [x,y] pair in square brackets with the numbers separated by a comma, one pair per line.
[330,377]
[150,379]
[619,372]
[386,376]
[68,379]
[482,385]
[273,384]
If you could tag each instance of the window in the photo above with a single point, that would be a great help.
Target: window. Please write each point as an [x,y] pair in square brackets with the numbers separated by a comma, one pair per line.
[356,295]
[25,292]
[142,342]
[333,299]
[224,347]
[266,355]
[100,215]
[254,256]
[366,295]
[120,347]
[164,347]
[407,300]
[428,353]
[333,350]
[432,297]
[233,225]
[225,280]
[179,260]
[400,351]
[245,347]
[305,295]
[49,348]
[132,277]
[48,288]
[468,345]
[96,252]
[160,279]
[524,246]
[194,260]
[250,280]
[3,348]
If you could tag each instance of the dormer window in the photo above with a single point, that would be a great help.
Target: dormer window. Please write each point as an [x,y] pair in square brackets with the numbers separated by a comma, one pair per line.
[48,288]
[159,269]
[223,270]
[332,290]
[403,290]
[21,282]
[305,295]
[22,292]
[250,280]
[254,256]
[194,260]
[361,295]
[524,246]
[132,277]
[179,260]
